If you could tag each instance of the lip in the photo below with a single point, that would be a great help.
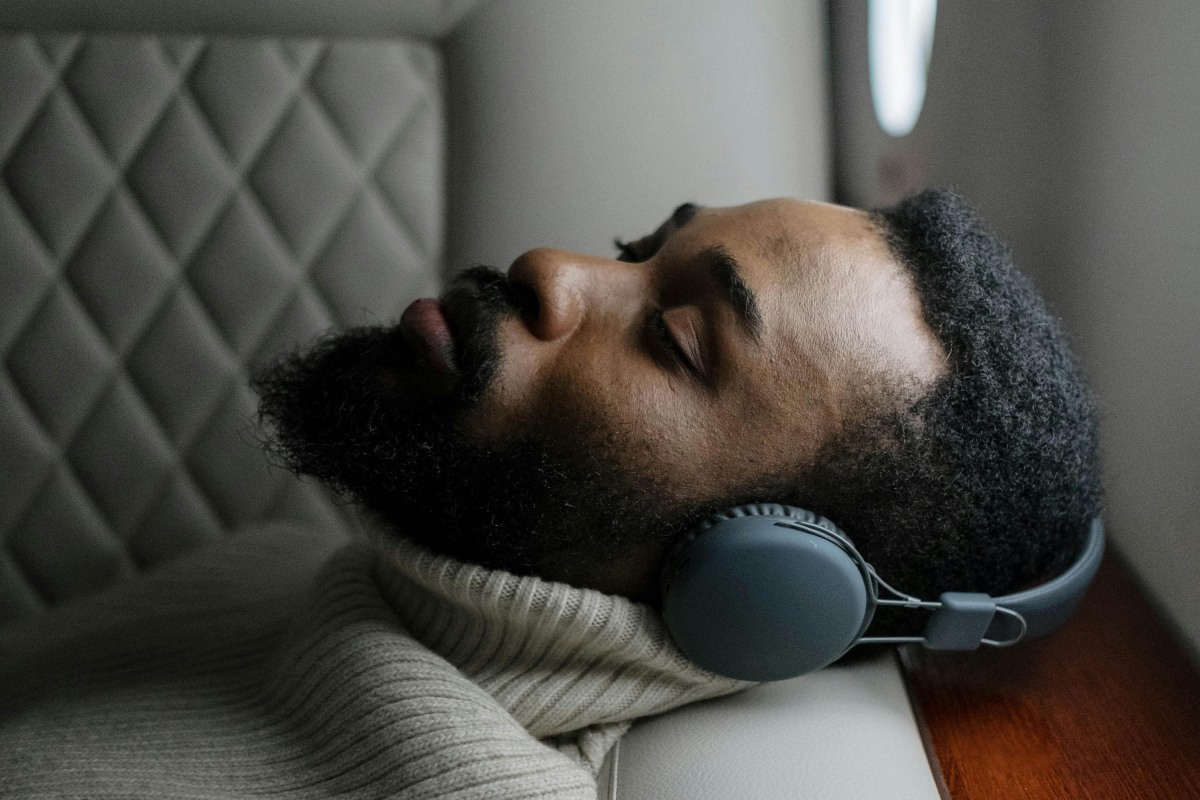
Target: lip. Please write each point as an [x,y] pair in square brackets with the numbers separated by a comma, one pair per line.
[426,329]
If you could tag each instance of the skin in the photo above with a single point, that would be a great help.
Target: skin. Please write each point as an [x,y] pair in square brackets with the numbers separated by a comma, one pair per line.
[837,309]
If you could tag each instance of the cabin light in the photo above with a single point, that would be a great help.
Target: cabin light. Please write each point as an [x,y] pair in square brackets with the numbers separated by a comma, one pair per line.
[899,44]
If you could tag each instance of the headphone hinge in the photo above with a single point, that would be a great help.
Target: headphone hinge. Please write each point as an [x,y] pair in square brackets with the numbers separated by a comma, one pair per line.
[961,622]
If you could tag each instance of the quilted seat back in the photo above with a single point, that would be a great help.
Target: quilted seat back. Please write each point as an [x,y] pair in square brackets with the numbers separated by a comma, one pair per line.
[173,211]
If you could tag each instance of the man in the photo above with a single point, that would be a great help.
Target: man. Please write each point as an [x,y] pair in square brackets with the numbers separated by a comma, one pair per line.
[532,445]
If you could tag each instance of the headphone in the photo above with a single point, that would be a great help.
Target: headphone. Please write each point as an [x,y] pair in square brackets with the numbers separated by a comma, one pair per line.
[764,592]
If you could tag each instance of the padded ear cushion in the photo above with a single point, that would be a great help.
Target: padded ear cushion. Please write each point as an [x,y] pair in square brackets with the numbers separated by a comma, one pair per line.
[770,510]
[749,599]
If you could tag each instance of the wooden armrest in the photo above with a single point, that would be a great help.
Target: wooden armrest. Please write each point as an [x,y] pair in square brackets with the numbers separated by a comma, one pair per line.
[1107,708]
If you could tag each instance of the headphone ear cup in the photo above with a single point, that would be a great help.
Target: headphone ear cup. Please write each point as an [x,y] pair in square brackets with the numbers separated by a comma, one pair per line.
[750,599]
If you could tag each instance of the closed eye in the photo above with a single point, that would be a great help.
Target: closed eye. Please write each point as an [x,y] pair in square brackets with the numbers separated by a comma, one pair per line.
[662,332]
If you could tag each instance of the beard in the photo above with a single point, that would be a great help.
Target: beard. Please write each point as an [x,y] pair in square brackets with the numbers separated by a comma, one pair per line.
[360,412]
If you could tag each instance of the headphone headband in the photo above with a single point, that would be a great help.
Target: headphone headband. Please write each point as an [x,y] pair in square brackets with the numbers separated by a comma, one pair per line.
[1047,607]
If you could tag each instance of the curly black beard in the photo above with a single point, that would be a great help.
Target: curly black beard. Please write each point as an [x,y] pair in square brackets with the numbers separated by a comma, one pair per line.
[355,411]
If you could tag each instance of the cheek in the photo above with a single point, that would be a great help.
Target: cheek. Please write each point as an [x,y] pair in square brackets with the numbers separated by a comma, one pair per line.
[689,448]
[779,425]
[629,412]
[621,407]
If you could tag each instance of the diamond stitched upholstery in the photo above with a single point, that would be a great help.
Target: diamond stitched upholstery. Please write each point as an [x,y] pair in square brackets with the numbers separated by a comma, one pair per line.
[174,211]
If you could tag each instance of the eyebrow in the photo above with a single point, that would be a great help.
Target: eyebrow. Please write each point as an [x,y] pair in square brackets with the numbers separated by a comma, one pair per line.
[726,272]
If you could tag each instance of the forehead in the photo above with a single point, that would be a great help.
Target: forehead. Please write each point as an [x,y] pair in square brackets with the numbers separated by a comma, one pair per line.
[801,217]
[796,240]
[835,301]
[808,262]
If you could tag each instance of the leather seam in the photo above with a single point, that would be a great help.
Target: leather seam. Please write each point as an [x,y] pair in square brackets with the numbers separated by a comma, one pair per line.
[614,764]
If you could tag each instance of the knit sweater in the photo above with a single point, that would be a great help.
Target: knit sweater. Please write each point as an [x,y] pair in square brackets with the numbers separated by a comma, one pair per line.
[396,673]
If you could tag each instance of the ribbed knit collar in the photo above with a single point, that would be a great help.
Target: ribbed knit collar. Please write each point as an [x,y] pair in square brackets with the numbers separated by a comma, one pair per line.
[557,657]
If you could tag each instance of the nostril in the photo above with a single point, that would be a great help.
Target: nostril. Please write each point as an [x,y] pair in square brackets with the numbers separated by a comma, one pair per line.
[525,299]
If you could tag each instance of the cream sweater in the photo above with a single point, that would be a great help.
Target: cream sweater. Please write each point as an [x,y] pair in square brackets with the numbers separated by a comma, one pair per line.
[397,673]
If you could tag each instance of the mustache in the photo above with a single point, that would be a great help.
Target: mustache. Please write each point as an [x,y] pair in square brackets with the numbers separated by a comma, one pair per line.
[491,287]
[481,298]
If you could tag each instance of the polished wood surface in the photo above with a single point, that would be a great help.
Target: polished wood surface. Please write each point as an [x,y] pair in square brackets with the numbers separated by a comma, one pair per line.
[1109,707]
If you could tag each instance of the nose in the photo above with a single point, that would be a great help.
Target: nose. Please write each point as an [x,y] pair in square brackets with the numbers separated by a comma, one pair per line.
[557,284]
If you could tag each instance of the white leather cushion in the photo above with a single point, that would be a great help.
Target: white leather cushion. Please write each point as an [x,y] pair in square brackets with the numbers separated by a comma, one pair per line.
[173,211]
[846,732]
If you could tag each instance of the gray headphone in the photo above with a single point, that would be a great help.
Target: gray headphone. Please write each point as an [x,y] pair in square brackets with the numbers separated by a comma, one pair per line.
[765,592]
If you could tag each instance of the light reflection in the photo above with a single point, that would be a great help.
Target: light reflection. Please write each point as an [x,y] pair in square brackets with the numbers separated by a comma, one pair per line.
[899,45]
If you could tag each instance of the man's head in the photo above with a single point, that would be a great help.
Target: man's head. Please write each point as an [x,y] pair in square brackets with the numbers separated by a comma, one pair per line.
[886,370]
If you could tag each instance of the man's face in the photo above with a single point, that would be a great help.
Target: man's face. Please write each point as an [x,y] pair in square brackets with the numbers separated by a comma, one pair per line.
[577,414]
